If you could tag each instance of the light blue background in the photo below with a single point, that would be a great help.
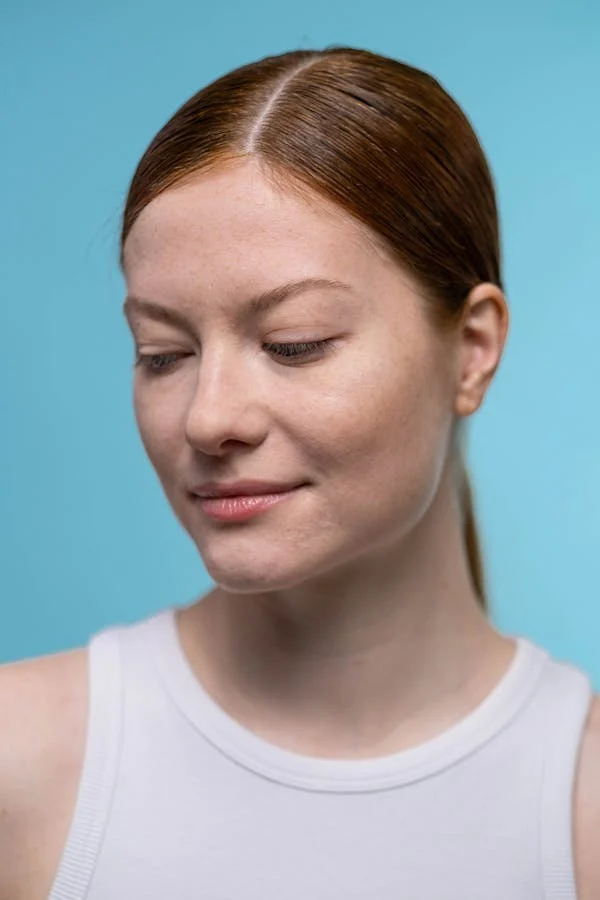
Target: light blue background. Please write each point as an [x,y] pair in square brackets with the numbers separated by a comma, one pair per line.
[87,537]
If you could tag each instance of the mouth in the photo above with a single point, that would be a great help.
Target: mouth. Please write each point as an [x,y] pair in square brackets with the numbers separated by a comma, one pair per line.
[245,488]
[243,507]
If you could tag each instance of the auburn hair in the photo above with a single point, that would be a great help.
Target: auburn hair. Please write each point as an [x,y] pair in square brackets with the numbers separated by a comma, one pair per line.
[380,138]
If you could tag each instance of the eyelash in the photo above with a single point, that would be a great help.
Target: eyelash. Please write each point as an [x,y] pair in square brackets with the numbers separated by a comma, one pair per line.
[290,351]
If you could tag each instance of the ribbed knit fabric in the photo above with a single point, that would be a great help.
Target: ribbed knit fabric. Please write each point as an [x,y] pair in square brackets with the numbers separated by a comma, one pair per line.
[179,801]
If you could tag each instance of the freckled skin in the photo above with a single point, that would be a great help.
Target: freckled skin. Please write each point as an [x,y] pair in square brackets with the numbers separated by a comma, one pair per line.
[344,620]
[368,423]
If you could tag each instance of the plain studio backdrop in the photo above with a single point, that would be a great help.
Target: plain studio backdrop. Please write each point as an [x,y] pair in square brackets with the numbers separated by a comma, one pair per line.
[87,538]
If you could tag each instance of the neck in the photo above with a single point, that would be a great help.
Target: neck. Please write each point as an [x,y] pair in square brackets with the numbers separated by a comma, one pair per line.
[373,660]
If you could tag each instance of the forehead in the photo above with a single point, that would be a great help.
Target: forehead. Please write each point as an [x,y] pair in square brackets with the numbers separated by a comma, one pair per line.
[234,227]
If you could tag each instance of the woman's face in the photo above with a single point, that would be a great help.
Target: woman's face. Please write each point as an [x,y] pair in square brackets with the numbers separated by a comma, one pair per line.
[363,422]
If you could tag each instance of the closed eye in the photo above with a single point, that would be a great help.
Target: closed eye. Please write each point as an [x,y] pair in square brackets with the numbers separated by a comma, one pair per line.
[292,351]
[159,363]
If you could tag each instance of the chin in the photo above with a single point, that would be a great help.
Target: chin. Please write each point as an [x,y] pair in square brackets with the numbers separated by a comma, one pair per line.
[254,577]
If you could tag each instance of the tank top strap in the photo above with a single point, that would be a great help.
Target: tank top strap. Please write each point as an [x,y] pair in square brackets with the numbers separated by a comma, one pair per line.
[101,756]
[568,697]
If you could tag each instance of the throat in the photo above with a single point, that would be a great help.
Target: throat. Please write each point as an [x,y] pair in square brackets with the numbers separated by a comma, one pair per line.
[369,704]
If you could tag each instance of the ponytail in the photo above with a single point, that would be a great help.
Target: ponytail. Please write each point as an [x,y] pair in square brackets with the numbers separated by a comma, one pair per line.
[469,519]
[472,542]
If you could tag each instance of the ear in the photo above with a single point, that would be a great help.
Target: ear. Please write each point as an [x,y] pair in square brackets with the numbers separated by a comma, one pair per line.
[482,335]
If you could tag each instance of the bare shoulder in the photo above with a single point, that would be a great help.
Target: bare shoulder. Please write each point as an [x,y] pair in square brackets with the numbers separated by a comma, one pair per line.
[43,716]
[587,809]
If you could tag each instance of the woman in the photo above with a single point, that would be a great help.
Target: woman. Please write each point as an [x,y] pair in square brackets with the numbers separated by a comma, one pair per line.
[311,253]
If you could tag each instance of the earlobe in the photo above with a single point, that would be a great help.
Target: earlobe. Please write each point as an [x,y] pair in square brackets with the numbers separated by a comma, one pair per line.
[466,404]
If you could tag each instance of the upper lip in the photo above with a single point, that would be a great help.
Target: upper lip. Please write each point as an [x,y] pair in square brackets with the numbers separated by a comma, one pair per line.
[246,488]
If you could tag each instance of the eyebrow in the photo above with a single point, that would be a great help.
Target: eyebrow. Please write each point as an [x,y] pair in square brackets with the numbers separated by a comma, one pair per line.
[256,305]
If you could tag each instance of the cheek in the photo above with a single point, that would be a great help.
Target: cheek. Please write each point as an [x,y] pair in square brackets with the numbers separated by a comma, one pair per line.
[387,437]
[159,427]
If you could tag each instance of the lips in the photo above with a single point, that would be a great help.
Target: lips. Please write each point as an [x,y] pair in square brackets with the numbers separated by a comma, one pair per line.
[246,488]
[243,507]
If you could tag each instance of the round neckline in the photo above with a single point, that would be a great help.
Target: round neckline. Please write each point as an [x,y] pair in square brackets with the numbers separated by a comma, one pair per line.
[240,744]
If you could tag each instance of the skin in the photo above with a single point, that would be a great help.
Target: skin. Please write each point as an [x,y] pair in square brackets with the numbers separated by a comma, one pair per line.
[343,619]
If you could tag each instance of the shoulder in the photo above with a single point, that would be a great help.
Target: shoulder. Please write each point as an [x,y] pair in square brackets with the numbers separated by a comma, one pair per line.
[41,701]
[43,715]
[587,809]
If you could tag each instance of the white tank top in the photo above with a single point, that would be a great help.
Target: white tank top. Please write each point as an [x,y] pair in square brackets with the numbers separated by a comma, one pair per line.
[179,801]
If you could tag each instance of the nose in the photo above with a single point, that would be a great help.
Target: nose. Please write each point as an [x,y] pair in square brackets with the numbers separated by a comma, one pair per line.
[226,405]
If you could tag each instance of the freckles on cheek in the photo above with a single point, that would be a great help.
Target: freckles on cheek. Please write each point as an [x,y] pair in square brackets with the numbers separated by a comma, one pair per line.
[160,429]
[379,416]
[355,417]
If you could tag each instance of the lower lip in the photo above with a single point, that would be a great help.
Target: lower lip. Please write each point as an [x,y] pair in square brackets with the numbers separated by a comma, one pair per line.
[240,509]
